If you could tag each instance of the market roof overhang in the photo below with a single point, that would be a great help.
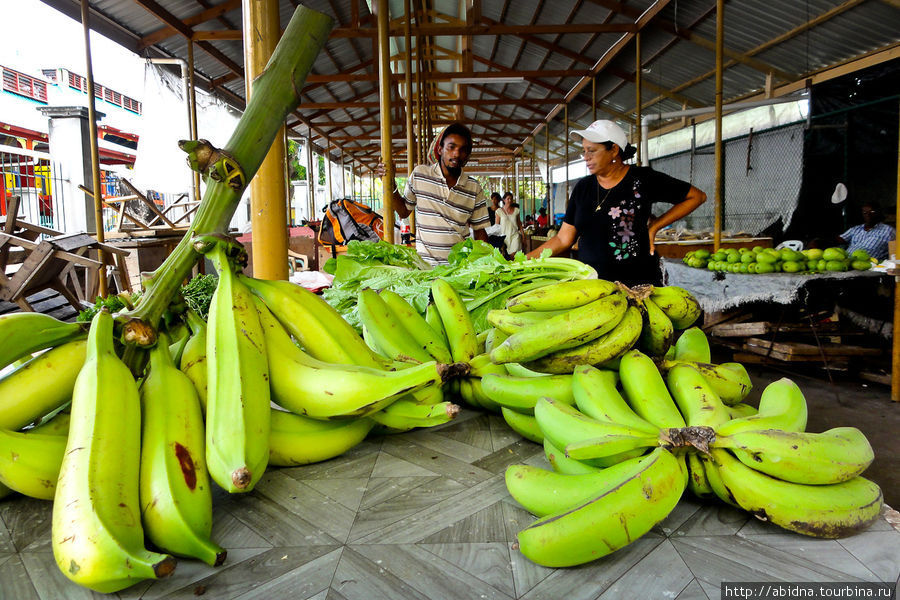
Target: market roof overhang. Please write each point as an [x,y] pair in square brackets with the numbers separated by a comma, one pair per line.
[512,69]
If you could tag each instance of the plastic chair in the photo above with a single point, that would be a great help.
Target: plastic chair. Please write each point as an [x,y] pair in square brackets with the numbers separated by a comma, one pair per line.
[795,245]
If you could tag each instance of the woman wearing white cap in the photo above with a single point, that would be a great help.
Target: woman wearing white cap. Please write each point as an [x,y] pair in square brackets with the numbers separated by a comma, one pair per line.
[609,210]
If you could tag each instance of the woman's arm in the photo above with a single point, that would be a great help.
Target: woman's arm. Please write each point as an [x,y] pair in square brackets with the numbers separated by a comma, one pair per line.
[559,243]
[694,198]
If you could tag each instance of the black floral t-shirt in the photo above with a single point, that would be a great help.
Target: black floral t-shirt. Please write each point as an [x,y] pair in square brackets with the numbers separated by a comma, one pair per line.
[612,224]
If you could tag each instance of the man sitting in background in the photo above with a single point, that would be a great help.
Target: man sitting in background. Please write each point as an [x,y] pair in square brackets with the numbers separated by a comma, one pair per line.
[872,236]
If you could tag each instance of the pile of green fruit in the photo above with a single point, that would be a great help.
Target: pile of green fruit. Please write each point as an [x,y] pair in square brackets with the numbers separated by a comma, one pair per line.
[759,260]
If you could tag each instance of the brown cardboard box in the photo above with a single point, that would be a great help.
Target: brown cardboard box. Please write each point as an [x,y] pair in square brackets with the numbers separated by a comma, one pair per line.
[892,250]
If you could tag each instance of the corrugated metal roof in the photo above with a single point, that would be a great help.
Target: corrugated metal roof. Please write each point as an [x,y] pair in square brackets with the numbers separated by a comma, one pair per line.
[773,35]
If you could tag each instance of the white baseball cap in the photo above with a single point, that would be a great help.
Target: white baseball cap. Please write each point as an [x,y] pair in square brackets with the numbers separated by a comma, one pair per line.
[602,131]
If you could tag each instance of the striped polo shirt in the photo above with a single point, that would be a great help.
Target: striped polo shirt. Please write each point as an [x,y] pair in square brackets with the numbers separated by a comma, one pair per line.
[443,215]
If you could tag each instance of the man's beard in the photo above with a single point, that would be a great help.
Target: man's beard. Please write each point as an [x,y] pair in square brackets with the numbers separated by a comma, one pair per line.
[453,171]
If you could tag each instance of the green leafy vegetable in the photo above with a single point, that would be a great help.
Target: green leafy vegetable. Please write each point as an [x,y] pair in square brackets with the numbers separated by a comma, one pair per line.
[484,279]
[198,293]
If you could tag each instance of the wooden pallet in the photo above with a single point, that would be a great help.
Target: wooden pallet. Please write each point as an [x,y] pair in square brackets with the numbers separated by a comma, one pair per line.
[757,328]
[800,352]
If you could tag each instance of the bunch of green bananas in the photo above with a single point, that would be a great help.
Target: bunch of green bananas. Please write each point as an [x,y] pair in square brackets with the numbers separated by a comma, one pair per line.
[625,444]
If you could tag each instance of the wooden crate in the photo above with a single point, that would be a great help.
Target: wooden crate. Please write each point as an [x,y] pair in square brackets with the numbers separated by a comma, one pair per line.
[800,352]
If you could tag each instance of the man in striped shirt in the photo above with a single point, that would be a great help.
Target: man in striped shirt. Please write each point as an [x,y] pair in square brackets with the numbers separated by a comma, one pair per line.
[448,202]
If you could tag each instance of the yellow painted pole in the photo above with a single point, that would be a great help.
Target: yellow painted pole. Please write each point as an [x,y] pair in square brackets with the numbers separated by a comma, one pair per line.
[637,86]
[533,183]
[95,149]
[720,51]
[549,171]
[329,179]
[411,154]
[895,355]
[384,95]
[312,178]
[268,201]
[593,99]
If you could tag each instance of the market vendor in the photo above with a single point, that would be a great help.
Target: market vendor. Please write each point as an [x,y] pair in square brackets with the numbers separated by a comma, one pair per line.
[609,209]
[447,202]
[872,236]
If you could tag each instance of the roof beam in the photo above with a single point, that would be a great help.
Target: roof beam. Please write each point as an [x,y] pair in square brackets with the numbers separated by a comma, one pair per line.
[201,17]
[438,76]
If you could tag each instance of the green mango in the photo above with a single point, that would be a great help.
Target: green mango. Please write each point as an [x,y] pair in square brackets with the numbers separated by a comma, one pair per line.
[835,265]
[834,254]
[822,264]
[814,253]
[861,265]
[859,254]
[766,257]
[790,266]
[764,267]
[701,253]
[748,257]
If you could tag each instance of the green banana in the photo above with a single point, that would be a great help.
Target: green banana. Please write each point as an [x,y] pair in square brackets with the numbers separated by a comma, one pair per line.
[823,511]
[739,410]
[481,397]
[646,391]
[517,370]
[97,538]
[730,381]
[415,324]
[521,393]
[309,387]
[465,392]
[296,440]
[542,492]
[595,395]
[698,484]
[524,425]
[693,345]
[562,296]
[610,520]
[386,331]
[237,404]
[58,424]
[781,406]
[509,322]
[193,357]
[564,425]
[457,323]
[175,493]
[493,339]
[695,398]
[24,333]
[605,348]
[658,332]
[534,341]
[404,415]
[832,456]
[714,479]
[433,318]
[41,385]
[318,328]
[30,461]
[565,465]
[679,305]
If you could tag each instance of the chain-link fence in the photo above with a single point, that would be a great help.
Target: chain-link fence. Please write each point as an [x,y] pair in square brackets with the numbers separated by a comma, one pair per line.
[762,177]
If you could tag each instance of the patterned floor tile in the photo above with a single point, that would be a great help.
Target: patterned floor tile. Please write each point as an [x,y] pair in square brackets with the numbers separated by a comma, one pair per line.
[694,591]
[660,574]
[17,583]
[311,578]
[878,550]
[392,466]
[829,553]
[488,562]
[348,492]
[486,525]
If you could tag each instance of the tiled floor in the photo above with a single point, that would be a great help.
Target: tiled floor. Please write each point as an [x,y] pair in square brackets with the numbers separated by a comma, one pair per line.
[425,515]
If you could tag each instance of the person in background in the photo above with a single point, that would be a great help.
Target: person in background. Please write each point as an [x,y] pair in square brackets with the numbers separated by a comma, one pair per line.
[447,201]
[872,236]
[510,225]
[494,238]
[542,218]
[609,210]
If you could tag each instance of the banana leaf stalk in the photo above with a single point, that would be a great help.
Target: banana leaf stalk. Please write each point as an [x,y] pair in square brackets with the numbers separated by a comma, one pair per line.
[275,94]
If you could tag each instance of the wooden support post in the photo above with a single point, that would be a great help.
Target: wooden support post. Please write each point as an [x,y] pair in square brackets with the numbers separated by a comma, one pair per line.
[95,150]
[384,94]
[637,89]
[566,136]
[411,154]
[268,198]
[192,111]
[895,354]
[719,162]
